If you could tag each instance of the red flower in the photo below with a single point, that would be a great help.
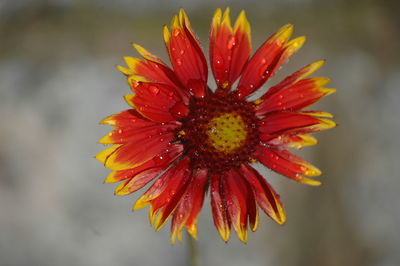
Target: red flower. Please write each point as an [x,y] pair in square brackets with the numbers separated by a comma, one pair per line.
[191,139]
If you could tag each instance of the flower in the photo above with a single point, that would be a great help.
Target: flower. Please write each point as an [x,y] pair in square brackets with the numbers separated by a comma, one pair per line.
[190,139]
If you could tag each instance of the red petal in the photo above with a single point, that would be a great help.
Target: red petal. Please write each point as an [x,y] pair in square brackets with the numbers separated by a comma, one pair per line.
[199,188]
[133,154]
[265,195]
[229,48]
[138,181]
[162,160]
[290,141]
[168,199]
[189,206]
[295,77]
[292,123]
[287,164]
[151,69]
[127,118]
[154,101]
[268,58]
[186,55]
[237,197]
[219,207]
[156,188]
[136,133]
[296,96]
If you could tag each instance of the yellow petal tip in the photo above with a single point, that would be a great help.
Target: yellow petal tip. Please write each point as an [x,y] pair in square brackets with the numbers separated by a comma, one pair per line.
[309,181]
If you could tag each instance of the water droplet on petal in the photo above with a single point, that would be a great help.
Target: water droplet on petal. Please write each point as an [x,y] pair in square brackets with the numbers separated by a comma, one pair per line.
[154,90]
[119,131]
[231,42]
[176,32]
[179,61]
[182,52]
[264,71]
[218,61]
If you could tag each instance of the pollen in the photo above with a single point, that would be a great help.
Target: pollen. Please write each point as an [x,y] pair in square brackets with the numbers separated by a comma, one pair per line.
[227,132]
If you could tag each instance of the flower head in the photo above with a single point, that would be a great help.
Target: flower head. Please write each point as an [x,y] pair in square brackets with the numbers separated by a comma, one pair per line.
[190,139]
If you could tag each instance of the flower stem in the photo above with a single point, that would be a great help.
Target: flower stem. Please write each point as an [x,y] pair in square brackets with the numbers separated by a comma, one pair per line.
[193,255]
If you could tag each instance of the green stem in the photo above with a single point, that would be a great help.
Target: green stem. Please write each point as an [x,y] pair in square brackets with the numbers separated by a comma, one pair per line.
[194,258]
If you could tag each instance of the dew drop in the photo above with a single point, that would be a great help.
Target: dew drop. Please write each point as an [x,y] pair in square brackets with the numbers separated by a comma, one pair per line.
[264,71]
[179,61]
[231,42]
[119,131]
[176,32]
[154,90]
[219,62]
[182,52]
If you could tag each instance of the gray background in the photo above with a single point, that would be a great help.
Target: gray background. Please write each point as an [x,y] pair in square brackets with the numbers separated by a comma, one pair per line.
[57,80]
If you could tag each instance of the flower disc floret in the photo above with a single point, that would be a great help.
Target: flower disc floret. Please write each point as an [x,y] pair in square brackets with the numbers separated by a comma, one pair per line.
[220,132]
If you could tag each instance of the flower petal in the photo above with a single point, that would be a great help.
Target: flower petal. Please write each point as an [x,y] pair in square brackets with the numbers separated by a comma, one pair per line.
[133,154]
[292,141]
[292,123]
[268,58]
[151,69]
[296,96]
[229,48]
[189,206]
[164,159]
[166,201]
[155,101]
[219,207]
[136,133]
[186,55]
[287,164]
[127,118]
[295,77]
[138,181]
[239,198]
[266,197]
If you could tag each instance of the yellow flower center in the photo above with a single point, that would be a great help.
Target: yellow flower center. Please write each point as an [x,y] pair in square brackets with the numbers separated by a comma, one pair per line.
[227,132]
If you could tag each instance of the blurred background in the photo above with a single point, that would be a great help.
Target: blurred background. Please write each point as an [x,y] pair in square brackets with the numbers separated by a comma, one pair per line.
[57,80]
